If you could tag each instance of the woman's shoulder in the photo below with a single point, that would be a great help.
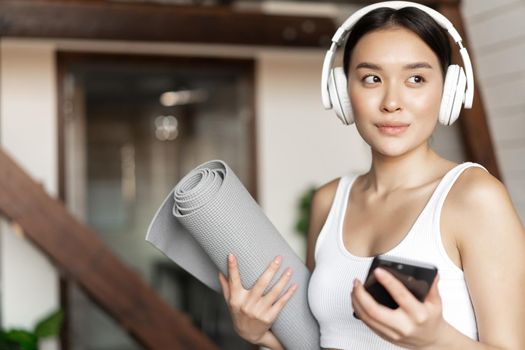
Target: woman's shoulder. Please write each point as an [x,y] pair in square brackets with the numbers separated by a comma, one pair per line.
[324,195]
[478,200]
[477,187]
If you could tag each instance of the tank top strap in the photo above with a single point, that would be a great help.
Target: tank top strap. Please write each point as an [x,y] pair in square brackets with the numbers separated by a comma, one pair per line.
[448,181]
[342,195]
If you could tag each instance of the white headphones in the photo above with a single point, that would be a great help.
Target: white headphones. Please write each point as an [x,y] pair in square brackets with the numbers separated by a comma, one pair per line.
[458,89]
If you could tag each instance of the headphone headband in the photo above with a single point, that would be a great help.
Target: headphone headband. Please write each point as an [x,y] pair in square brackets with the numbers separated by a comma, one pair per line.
[343,31]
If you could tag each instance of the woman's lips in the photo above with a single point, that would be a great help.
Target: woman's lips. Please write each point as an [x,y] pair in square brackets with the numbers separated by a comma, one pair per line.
[392,128]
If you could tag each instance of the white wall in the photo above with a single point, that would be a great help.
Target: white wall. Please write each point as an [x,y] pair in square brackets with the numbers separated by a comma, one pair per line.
[28,133]
[299,143]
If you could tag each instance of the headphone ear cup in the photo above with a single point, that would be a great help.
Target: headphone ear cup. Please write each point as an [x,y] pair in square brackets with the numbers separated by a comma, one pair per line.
[453,95]
[337,86]
[459,97]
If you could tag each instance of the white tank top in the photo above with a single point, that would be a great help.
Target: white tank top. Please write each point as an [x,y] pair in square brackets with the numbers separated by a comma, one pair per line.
[335,269]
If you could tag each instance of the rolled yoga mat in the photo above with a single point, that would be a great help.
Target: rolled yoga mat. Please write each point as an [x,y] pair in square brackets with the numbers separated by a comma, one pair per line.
[210,214]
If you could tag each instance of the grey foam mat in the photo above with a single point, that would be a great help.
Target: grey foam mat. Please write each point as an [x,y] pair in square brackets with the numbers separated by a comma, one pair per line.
[209,214]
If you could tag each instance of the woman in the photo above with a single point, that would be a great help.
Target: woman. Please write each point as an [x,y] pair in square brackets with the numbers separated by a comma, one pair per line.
[412,203]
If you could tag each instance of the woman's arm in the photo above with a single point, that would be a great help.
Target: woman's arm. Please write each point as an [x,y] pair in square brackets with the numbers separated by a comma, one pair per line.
[491,242]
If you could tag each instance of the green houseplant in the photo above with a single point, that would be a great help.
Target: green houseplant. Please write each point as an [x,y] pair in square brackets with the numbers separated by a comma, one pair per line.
[305,201]
[21,339]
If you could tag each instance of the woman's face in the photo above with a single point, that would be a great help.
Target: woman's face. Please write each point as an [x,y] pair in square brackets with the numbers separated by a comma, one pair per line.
[395,85]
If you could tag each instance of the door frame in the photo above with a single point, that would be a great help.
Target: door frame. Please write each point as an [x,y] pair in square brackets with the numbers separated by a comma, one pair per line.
[64,59]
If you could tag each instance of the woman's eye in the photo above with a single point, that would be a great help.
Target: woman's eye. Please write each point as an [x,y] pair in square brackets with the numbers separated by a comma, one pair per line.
[416,79]
[371,79]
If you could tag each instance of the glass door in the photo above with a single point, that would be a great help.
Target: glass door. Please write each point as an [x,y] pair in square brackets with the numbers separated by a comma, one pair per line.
[132,127]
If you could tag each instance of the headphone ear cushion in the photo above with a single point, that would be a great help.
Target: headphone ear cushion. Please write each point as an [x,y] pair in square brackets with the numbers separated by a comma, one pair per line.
[449,99]
[337,86]
[459,97]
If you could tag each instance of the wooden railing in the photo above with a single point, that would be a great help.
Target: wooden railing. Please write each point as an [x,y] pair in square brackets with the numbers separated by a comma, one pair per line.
[82,257]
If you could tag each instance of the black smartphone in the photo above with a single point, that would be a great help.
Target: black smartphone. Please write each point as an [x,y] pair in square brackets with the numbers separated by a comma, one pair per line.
[416,276]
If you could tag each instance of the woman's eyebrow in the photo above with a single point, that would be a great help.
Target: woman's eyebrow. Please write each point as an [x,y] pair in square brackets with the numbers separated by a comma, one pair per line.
[418,65]
[374,66]
[368,65]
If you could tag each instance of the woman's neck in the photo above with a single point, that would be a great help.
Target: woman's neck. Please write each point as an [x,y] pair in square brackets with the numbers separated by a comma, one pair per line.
[410,170]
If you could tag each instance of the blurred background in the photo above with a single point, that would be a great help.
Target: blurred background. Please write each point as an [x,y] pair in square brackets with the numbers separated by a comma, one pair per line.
[109,103]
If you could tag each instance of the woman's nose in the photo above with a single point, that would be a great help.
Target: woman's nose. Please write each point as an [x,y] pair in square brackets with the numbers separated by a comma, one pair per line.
[391,101]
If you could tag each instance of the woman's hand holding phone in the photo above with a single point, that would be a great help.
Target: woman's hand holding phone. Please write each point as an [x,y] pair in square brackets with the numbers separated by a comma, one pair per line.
[252,311]
[414,324]
[416,276]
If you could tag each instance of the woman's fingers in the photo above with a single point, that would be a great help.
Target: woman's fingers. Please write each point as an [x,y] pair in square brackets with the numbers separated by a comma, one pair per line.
[281,302]
[433,294]
[234,279]
[225,287]
[252,312]
[403,297]
[273,294]
[266,277]
[380,329]
[371,309]
[233,289]
[370,312]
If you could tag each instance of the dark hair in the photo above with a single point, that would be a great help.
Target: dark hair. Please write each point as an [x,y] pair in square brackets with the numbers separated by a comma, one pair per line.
[410,18]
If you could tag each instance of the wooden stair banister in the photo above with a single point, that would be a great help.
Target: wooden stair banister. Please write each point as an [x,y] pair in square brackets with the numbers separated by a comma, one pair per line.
[78,253]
